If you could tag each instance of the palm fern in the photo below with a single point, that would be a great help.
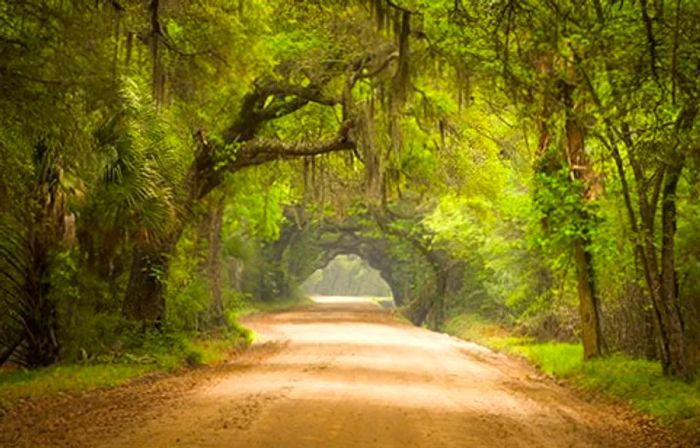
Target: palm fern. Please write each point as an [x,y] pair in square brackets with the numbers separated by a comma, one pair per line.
[28,244]
[141,164]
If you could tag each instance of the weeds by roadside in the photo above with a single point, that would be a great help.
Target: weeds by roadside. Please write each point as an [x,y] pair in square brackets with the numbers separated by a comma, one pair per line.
[159,352]
[638,382]
[269,307]
[166,351]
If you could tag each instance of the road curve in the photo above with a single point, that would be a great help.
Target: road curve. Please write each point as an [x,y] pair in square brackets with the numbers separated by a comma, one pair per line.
[349,375]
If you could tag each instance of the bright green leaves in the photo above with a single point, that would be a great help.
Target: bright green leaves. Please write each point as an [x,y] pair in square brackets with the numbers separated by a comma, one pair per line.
[227,153]
[255,202]
[560,209]
[142,162]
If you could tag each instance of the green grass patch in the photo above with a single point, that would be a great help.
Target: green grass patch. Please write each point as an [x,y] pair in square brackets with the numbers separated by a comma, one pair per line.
[639,382]
[643,384]
[138,354]
[58,379]
[475,328]
[385,303]
[156,353]
[555,358]
[254,307]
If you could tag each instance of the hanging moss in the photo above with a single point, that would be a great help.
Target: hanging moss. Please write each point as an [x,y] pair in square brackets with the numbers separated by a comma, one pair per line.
[380,13]
[402,77]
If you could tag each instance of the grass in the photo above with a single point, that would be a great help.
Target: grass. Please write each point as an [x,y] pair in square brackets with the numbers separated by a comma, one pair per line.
[638,382]
[255,307]
[559,359]
[385,303]
[157,353]
[55,380]
[165,353]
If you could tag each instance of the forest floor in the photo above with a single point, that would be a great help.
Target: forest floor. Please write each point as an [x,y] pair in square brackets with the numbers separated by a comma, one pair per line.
[337,374]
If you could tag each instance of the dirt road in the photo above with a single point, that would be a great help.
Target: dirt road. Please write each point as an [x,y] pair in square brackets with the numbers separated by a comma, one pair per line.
[342,374]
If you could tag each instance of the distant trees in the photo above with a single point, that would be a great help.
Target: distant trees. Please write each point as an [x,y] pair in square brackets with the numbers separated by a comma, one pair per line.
[347,275]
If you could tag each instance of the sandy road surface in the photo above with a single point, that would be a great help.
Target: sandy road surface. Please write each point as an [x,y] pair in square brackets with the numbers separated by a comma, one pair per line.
[345,374]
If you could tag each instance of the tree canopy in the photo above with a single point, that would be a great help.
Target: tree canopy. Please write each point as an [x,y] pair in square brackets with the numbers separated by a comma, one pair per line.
[164,161]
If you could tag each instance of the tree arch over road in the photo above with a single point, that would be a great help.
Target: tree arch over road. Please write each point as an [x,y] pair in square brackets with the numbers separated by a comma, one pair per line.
[420,275]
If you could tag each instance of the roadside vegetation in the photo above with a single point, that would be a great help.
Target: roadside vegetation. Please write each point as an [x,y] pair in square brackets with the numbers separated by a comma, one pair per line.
[637,382]
[156,353]
[159,352]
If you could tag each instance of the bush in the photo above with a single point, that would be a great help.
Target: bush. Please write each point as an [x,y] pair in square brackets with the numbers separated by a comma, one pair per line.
[194,357]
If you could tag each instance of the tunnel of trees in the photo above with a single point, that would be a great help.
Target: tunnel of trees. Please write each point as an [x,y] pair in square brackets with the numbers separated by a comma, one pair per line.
[420,276]
[163,162]
[347,275]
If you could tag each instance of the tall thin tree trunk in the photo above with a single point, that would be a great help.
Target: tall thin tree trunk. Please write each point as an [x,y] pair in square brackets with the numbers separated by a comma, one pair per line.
[677,360]
[214,255]
[145,293]
[579,166]
[661,280]
[36,311]
[588,301]
[157,74]
[40,321]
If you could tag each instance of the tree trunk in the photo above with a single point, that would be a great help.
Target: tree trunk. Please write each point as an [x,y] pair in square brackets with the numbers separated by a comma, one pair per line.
[208,251]
[145,294]
[580,168]
[157,73]
[661,280]
[637,241]
[377,259]
[214,255]
[436,307]
[35,310]
[449,274]
[676,362]
[40,324]
[588,303]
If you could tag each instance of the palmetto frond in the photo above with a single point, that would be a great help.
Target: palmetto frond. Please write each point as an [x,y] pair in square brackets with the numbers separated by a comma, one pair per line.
[141,168]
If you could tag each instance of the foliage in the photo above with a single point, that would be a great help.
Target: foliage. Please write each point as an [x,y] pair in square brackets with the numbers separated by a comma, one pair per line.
[157,353]
[58,379]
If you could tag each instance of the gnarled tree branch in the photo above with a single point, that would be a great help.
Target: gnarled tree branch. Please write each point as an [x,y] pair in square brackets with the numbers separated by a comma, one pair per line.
[256,152]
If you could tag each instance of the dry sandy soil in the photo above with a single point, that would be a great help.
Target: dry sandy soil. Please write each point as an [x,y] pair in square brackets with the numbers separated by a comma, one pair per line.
[337,374]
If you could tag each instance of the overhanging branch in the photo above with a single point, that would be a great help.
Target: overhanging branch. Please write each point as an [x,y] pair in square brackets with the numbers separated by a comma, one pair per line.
[256,152]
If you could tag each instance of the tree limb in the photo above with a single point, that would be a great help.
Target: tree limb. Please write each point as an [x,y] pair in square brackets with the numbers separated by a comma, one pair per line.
[257,152]
[651,40]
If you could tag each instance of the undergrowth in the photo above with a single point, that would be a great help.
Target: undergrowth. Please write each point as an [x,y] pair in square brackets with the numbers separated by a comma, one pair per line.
[638,382]
[258,306]
[138,354]
[158,352]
